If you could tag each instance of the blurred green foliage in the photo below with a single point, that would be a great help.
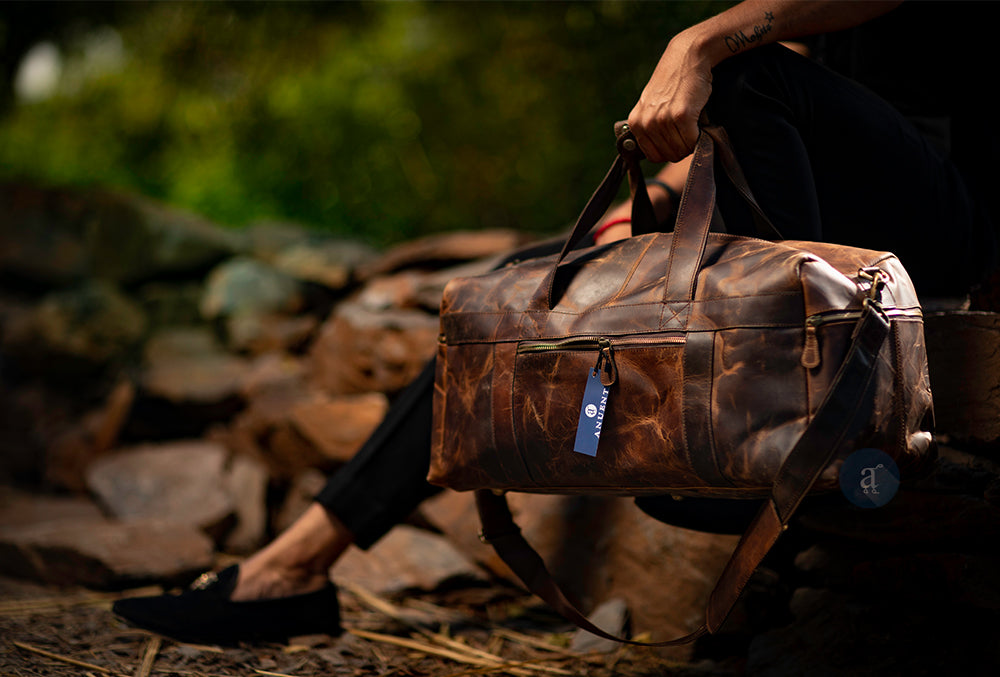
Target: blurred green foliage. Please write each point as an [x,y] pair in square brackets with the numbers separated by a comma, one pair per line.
[381,121]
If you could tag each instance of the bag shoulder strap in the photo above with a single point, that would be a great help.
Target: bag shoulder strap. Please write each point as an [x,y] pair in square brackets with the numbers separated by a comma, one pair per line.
[835,423]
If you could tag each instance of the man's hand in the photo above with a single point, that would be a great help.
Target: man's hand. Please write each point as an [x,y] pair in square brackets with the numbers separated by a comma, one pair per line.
[665,120]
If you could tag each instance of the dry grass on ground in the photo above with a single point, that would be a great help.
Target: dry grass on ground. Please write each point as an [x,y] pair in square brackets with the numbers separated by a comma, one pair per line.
[473,630]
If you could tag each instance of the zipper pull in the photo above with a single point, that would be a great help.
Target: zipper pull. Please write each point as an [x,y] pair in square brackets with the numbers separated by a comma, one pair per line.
[606,363]
[810,350]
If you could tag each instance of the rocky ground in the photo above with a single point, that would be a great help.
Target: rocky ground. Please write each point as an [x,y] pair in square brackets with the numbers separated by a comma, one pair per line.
[173,393]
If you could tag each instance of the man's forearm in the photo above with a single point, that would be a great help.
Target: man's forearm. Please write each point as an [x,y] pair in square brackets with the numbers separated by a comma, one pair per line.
[754,23]
[665,120]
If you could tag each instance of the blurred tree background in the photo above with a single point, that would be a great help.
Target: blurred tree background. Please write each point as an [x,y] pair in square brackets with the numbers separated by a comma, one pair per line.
[380,120]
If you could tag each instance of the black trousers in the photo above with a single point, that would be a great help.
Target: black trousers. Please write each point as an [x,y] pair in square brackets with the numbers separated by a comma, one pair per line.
[827,160]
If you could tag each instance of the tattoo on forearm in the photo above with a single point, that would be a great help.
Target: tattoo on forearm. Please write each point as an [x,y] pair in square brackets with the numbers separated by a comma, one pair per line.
[739,41]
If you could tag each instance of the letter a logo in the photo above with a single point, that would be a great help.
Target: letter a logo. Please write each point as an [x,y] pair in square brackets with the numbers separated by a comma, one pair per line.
[869,478]
[868,482]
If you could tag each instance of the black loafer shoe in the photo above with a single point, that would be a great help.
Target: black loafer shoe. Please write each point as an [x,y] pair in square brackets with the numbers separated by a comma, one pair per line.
[204,614]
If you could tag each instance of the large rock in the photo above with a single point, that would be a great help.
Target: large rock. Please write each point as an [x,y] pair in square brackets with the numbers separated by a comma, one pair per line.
[32,417]
[187,382]
[246,286]
[360,351]
[171,303]
[416,288]
[246,482]
[133,239]
[387,292]
[42,240]
[302,489]
[20,508]
[446,249]
[55,236]
[273,371]
[274,387]
[72,452]
[75,330]
[338,426]
[100,553]
[307,254]
[295,427]
[262,333]
[600,548]
[330,263]
[264,240]
[431,286]
[67,541]
[404,558]
[180,482]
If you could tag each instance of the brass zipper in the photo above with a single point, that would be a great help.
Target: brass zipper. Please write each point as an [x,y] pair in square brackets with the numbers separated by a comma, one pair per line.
[810,349]
[605,347]
[596,342]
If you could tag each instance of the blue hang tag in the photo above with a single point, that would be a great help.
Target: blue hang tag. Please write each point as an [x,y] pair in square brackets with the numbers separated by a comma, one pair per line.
[595,401]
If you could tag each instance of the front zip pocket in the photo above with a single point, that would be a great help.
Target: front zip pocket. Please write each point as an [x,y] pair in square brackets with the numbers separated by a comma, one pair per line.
[604,346]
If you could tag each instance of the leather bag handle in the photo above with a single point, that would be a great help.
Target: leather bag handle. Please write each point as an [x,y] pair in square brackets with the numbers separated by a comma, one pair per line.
[694,215]
[626,162]
[834,425]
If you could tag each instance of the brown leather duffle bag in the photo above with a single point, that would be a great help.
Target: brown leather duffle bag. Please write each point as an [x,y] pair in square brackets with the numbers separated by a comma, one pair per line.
[691,363]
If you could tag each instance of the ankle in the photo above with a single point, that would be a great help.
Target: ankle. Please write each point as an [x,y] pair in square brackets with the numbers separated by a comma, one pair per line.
[271,581]
[298,560]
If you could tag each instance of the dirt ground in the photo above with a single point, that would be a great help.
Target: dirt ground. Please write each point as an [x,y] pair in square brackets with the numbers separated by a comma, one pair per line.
[474,630]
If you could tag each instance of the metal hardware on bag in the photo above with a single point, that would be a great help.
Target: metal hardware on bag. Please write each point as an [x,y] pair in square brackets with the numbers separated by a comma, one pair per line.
[595,343]
[606,364]
[876,305]
[878,279]
[606,360]
[629,144]
[573,343]
[810,349]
